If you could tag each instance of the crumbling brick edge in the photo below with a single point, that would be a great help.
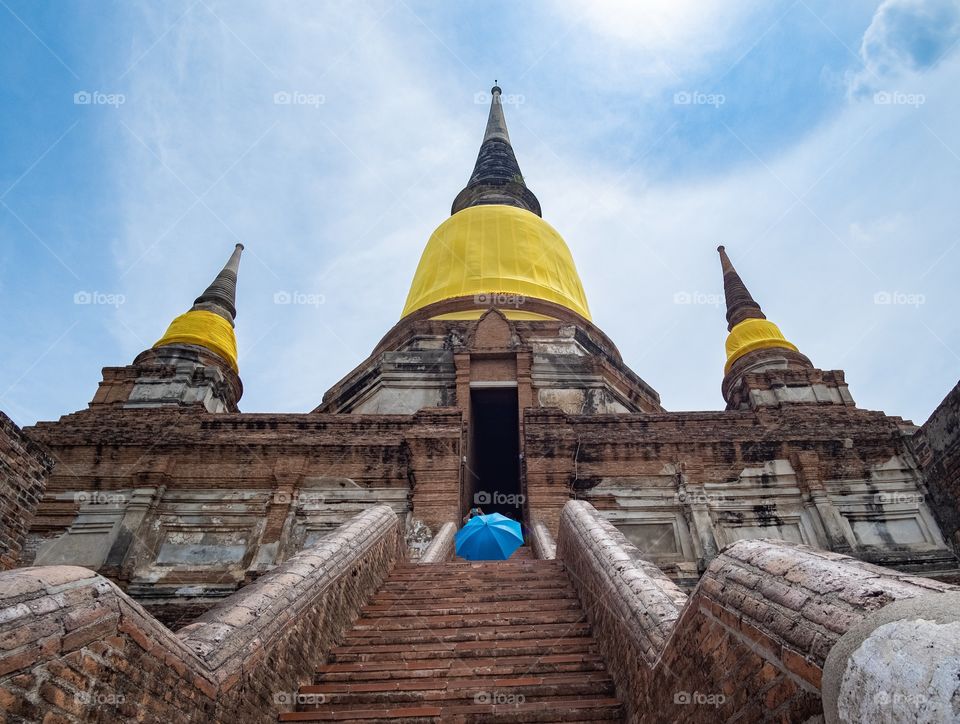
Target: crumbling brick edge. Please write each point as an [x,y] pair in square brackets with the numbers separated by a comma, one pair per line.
[72,643]
[442,547]
[750,641]
[541,542]
[24,467]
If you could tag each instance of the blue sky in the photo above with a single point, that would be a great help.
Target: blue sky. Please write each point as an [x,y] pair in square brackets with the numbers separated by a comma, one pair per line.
[817,140]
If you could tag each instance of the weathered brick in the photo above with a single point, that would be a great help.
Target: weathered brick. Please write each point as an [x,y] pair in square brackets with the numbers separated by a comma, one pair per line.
[802,667]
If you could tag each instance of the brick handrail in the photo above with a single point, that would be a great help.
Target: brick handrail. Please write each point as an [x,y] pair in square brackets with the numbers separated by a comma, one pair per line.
[751,640]
[73,643]
[542,544]
[442,547]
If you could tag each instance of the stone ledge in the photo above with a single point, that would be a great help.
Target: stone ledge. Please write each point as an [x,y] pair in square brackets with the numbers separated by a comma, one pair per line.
[75,645]
[751,641]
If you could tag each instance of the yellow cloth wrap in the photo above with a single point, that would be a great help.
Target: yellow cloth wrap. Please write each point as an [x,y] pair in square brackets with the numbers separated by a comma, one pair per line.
[205,329]
[753,334]
[472,314]
[497,250]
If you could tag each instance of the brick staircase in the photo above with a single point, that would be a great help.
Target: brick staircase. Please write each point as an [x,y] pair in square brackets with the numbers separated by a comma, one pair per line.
[466,642]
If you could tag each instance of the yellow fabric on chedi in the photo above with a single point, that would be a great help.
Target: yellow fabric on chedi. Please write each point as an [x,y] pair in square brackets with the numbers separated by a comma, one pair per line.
[205,329]
[753,334]
[497,250]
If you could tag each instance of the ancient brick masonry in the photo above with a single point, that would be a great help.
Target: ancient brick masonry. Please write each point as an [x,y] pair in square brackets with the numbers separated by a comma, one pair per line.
[681,485]
[750,642]
[24,467]
[938,448]
[254,488]
[76,649]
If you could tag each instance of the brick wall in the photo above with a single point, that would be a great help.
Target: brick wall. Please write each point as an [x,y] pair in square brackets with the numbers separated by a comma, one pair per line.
[76,649]
[24,467]
[751,640]
[938,447]
[259,486]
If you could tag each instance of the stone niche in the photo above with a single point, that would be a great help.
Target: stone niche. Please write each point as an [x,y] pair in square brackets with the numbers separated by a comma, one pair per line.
[99,524]
[680,524]
[763,502]
[887,516]
[198,541]
[651,513]
[322,504]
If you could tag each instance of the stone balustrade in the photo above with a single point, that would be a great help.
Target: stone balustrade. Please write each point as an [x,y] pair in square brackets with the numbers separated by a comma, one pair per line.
[752,639]
[442,547]
[542,543]
[74,646]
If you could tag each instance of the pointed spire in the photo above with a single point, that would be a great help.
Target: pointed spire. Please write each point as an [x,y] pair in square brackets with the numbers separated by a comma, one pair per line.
[740,305]
[221,296]
[496,123]
[496,177]
[209,322]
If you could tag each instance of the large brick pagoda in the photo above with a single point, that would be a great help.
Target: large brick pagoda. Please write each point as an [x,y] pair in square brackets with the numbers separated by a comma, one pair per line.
[494,389]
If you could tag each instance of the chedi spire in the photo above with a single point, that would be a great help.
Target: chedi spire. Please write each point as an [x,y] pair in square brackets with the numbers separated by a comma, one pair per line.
[496,177]
[740,305]
[209,323]
[221,296]
[749,328]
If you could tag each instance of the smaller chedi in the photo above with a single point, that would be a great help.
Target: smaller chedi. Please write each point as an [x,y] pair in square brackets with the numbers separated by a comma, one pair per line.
[263,536]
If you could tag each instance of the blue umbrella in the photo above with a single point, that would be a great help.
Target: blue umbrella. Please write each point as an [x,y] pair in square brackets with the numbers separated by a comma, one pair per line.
[491,537]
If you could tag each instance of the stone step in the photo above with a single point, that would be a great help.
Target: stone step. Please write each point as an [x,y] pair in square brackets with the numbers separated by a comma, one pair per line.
[485,568]
[445,570]
[459,690]
[575,709]
[458,567]
[463,649]
[471,591]
[482,596]
[480,633]
[466,642]
[460,667]
[437,623]
[450,608]
[474,580]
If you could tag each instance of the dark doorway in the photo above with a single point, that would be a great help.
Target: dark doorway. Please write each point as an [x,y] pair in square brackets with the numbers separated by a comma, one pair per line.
[494,462]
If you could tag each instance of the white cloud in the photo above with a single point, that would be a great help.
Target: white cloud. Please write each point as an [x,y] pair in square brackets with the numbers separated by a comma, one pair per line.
[658,41]
[905,36]
[339,199]
[876,199]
